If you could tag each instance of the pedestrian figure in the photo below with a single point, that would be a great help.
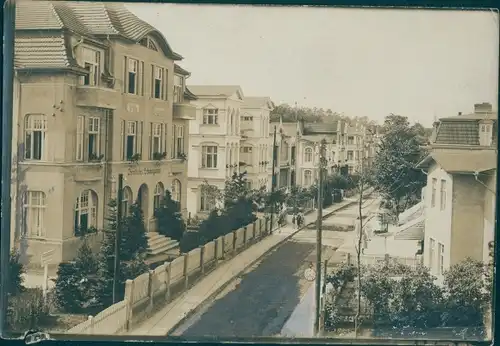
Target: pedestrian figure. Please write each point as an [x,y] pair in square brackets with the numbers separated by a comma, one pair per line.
[293,221]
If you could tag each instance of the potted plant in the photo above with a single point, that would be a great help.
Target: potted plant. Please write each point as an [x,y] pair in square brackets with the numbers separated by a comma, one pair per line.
[135,158]
[95,158]
[182,156]
[159,156]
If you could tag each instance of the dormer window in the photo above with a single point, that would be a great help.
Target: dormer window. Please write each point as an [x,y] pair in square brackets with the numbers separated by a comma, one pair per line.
[485,134]
[148,43]
[91,59]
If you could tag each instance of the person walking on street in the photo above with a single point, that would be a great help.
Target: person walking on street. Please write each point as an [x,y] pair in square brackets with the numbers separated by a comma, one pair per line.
[293,221]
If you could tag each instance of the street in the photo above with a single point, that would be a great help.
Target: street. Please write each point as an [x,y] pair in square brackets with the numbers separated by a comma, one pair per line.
[260,302]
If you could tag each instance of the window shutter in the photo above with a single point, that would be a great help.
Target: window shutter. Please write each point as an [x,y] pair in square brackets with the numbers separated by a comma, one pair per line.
[151,141]
[173,141]
[139,137]
[85,138]
[102,139]
[125,75]
[141,77]
[122,134]
[164,137]
[165,88]
[152,84]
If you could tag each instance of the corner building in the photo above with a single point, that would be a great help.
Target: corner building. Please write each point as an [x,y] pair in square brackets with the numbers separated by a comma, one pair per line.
[97,94]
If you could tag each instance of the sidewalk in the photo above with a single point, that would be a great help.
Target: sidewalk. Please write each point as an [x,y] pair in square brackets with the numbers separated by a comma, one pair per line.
[169,317]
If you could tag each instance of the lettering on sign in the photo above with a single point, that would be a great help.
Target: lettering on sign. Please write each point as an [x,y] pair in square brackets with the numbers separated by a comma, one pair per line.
[132,108]
[144,171]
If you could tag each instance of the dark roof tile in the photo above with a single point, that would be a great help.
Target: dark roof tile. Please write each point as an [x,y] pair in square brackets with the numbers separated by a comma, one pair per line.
[458,132]
[320,128]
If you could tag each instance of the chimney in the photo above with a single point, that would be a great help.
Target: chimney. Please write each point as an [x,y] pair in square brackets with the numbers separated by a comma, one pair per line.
[484,107]
[459,113]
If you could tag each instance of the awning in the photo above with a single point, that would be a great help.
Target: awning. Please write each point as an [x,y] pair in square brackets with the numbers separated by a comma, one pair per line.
[413,230]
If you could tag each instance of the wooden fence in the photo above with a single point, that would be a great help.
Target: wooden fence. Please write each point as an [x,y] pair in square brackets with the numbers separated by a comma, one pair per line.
[157,287]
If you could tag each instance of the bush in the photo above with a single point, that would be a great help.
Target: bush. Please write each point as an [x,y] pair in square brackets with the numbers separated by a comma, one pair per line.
[190,241]
[16,270]
[169,218]
[28,310]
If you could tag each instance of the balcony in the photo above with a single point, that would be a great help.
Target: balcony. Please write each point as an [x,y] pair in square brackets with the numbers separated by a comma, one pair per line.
[93,96]
[88,172]
[184,111]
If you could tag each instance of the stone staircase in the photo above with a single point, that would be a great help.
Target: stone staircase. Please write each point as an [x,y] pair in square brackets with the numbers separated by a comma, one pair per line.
[159,244]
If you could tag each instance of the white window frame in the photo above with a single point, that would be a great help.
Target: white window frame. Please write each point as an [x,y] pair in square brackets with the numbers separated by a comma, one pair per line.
[86,204]
[206,204]
[94,130]
[34,207]
[179,138]
[131,131]
[433,192]
[210,116]
[308,155]
[133,69]
[126,200]
[158,76]
[308,178]
[35,123]
[91,59]
[178,88]
[212,152]
[350,157]
[432,250]
[158,195]
[440,266]
[176,190]
[156,134]
[442,195]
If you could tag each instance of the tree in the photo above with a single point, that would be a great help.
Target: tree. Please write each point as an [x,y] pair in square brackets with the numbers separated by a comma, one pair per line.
[16,271]
[394,174]
[467,294]
[76,280]
[133,246]
[297,198]
[169,218]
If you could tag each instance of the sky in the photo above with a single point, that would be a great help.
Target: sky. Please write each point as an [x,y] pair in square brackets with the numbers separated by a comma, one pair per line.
[423,64]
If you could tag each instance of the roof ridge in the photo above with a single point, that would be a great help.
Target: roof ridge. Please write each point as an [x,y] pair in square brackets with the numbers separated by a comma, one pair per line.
[59,20]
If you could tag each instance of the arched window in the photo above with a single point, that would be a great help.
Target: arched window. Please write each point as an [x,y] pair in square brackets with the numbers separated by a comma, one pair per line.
[34,205]
[307,178]
[126,200]
[176,190]
[85,211]
[158,195]
[308,155]
[35,129]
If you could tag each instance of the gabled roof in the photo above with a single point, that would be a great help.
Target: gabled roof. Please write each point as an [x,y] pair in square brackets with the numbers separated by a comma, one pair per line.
[461,161]
[91,20]
[257,102]
[412,230]
[462,129]
[181,71]
[216,90]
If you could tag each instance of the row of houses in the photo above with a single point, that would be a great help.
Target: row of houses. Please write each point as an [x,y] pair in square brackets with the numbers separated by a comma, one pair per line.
[99,92]
[456,217]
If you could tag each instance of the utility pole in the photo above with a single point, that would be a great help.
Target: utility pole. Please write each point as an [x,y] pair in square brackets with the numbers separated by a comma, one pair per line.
[319,224]
[118,235]
[8,96]
[273,179]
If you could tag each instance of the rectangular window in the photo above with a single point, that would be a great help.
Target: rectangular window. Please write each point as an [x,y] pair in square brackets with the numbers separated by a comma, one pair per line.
[350,140]
[158,82]
[131,139]
[432,249]
[132,76]
[440,259]
[178,88]
[433,193]
[93,138]
[35,136]
[443,194]
[91,61]
[156,136]
[206,202]
[209,156]
[246,149]
[33,214]
[350,155]
[80,127]
[179,138]
[210,116]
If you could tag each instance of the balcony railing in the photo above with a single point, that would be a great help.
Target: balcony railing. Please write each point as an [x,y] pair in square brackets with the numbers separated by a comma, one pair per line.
[184,111]
[89,96]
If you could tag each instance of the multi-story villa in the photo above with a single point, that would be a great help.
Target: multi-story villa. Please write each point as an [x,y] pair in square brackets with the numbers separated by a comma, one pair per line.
[256,142]
[287,137]
[98,95]
[355,146]
[214,143]
[461,186]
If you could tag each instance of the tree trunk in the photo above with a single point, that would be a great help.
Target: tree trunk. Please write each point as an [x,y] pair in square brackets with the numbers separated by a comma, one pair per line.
[358,253]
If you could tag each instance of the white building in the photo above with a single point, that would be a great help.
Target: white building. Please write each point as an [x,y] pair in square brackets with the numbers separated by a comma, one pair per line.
[256,142]
[214,142]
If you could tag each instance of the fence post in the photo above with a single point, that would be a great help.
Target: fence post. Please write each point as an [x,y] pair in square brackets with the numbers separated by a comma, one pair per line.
[254,230]
[129,297]
[202,259]
[91,324]
[348,258]
[216,251]
[386,259]
[168,271]
[245,236]
[223,246]
[151,293]
[186,276]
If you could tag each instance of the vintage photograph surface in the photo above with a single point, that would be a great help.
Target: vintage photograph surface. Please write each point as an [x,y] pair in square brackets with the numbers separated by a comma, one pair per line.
[253,171]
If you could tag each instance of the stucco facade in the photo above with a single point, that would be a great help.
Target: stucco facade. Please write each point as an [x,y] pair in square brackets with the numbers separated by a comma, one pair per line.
[80,127]
[214,142]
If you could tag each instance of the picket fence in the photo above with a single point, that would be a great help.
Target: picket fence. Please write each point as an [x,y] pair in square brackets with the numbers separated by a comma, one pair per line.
[370,260]
[158,287]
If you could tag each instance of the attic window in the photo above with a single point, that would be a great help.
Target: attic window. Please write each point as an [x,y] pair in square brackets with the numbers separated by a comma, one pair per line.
[149,43]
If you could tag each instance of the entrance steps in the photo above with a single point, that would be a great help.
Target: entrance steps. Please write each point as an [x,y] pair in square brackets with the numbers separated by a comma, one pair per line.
[159,244]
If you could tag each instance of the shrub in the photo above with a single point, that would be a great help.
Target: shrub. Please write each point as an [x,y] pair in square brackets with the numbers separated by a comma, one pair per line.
[16,270]
[28,310]
[190,241]
[169,218]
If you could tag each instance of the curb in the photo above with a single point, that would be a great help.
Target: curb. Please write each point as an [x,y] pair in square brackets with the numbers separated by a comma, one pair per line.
[224,286]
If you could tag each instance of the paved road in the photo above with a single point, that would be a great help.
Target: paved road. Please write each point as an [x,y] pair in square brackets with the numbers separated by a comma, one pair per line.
[263,299]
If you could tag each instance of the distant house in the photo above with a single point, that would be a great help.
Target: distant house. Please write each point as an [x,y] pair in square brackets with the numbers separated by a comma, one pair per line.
[460,193]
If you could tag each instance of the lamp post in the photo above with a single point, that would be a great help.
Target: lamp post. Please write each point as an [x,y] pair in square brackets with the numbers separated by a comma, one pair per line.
[273,179]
